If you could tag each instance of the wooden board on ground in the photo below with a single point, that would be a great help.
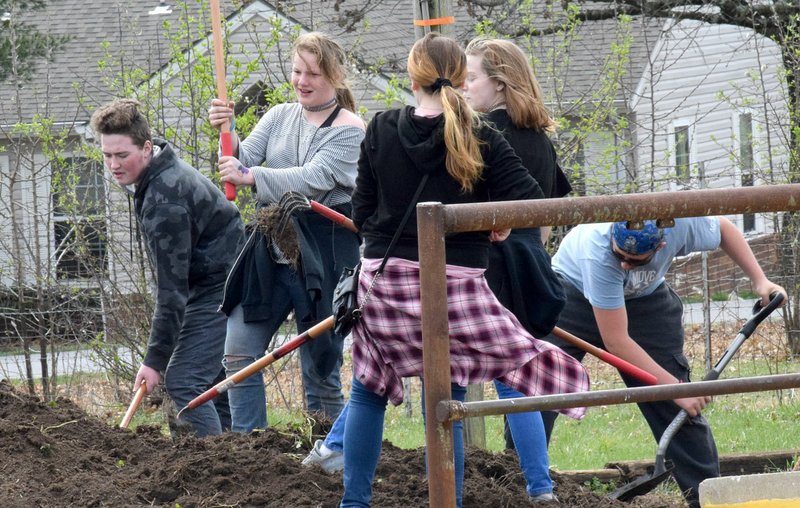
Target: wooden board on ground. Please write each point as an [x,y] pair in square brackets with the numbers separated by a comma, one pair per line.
[730,464]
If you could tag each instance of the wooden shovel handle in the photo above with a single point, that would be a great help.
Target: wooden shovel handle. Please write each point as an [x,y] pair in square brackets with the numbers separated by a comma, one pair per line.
[260,364]
[616,361]
[333,215]
[137,399]
[225,142]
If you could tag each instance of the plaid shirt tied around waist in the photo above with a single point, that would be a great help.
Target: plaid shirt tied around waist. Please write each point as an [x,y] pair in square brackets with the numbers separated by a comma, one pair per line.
[486,340]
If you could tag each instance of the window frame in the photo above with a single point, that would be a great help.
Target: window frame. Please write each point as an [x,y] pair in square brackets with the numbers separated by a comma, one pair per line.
[69,267]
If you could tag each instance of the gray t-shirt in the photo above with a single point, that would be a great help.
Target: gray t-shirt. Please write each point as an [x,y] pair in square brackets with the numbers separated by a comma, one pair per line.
[585,260]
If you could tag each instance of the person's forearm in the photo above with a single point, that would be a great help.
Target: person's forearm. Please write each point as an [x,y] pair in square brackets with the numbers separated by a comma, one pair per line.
[733,243]
[613,327]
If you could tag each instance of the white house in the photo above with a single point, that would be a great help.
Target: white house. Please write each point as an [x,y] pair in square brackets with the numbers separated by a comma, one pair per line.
[688,100]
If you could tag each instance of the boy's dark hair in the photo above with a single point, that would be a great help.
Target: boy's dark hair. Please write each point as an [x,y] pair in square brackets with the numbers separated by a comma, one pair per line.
[122,116]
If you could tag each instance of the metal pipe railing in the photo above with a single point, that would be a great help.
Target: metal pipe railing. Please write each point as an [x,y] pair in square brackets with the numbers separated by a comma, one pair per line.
[435,220]
[452,410]
[652,205]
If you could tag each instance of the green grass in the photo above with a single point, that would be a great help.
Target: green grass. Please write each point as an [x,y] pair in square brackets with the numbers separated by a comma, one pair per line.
[742,423]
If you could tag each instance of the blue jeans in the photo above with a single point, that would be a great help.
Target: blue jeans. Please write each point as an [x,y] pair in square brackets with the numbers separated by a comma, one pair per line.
[196,360]
[247,342]
[527,430]
[363,436]
[335,438]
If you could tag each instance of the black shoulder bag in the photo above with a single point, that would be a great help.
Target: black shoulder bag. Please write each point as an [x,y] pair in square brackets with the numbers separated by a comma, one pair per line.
[346,310]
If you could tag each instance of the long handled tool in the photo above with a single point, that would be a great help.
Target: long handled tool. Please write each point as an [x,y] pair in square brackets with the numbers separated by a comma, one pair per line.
[225,143]
[137,400]
[613,360]
[259,364]
[292,201]
[663,468]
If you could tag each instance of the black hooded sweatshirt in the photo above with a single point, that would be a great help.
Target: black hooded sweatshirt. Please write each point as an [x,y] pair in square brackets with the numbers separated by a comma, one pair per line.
[397,150]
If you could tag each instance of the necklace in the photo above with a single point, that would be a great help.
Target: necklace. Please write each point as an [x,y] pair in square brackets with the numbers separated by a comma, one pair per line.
[302,126]
[321,107]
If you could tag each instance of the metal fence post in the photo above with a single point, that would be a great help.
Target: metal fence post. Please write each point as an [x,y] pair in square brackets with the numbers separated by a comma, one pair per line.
[435,353]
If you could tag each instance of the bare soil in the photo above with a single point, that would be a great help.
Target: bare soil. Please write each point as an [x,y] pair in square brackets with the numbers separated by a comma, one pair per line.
[54,455]
[58,455]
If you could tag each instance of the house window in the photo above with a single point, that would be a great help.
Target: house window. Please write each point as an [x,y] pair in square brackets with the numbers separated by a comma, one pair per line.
[79,227]
[746,164]
[682,153]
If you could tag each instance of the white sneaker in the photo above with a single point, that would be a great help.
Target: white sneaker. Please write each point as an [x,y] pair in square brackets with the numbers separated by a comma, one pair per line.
[330,461]
[546,497]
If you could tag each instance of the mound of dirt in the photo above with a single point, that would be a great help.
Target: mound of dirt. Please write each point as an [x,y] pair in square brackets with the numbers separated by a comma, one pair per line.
[57,455]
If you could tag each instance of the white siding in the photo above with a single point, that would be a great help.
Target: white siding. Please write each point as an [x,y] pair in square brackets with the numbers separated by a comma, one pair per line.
[6,231]
[123,260]
[707,74]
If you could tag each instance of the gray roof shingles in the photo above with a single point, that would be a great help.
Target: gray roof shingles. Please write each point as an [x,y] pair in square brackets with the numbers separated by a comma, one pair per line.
[383,37]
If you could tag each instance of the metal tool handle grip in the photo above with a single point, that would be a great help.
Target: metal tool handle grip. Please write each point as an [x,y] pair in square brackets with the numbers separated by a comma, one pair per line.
[761,313]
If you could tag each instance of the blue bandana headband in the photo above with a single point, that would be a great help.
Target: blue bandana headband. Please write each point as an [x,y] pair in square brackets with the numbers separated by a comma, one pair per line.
[637,241]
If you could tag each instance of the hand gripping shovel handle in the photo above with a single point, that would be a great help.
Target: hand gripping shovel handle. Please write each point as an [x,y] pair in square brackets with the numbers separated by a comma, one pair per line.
[759,314]
[259,364]
[623,365]
[225,142]
[661,467]
[137,399]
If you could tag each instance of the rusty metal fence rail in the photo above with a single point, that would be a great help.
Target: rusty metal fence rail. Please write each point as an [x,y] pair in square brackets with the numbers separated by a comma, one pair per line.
[435,220]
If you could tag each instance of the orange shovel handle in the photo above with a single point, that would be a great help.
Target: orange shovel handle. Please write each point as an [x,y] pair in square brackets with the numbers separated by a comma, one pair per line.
[616,361]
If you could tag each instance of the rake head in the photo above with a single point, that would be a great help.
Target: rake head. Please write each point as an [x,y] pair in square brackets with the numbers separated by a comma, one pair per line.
[273,222]
[290,202]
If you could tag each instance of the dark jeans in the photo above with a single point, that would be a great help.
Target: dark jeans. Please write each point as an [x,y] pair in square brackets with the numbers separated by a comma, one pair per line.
[655,322]
[221,403]
[196,361]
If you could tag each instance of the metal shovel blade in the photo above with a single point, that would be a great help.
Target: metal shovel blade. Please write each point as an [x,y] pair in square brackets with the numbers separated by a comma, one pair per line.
[645,483]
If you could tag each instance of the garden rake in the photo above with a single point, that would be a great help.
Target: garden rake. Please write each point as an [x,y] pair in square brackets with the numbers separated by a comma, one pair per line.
[292,202]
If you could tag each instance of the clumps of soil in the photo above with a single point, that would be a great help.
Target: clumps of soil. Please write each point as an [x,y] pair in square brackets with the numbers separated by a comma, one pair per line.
[57,455]
[275,222]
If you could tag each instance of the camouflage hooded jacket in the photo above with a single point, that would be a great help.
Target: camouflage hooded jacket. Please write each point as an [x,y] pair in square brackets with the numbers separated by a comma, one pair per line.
[192,235]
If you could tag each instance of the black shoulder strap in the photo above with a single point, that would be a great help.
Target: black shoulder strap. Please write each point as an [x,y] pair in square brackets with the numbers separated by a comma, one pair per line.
[329,121]
[403,222]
